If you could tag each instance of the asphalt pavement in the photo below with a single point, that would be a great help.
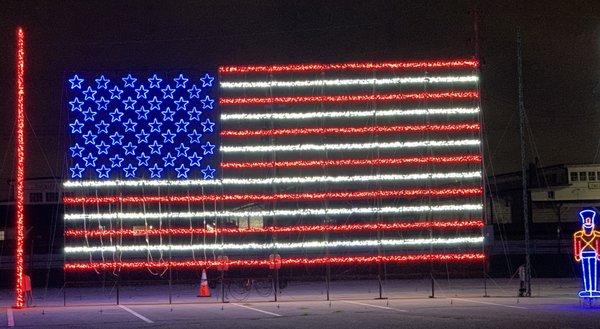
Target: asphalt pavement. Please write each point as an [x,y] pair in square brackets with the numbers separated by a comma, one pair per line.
[352,304]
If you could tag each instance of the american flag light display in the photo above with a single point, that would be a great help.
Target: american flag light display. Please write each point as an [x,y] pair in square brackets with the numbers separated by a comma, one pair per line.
[349,163]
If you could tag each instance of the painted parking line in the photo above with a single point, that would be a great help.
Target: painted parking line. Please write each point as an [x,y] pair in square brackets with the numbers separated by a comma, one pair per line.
[145,319]
[371,305]
[256,309]
[10,318]
[489,303]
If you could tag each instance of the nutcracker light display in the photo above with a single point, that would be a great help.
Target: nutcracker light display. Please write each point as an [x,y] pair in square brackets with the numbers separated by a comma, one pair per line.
[586,246]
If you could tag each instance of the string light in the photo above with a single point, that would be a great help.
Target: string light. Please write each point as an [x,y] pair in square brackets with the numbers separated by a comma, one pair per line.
[473,159]
[450,200]
[448,64]
[288,116]
[346,146]
[446,95]
[245,263]
[272,181]
[347,82]
[396,226]
[20,173]
[276,245]
[461,127]
[139,216]
[354,195]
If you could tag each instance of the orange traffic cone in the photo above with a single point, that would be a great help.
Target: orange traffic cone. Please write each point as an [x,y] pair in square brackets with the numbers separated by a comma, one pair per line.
[204,291]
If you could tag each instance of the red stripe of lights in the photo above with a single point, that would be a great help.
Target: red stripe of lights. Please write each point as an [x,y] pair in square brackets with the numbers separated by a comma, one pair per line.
[455,159]
[442,64]
[20,172]
[398,226]
[245,263]
[350,98]
[405,193]
[461,127]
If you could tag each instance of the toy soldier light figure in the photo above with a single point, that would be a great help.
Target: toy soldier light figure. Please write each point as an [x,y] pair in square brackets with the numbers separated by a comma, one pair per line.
[586,243]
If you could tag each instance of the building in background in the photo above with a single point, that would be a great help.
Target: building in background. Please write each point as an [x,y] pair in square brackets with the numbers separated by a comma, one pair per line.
[44,227]
[556,193]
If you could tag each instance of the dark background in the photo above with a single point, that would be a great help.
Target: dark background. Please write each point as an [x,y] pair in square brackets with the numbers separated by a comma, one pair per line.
[561,58]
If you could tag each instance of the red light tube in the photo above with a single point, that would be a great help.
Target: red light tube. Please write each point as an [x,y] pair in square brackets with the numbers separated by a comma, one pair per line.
[445,95]
[440,64]
[406,193]
[398,226]
[450,159]
[399,259]
[460,127]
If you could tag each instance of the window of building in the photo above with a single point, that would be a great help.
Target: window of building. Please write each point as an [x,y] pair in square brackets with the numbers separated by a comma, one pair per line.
[583,176]
[592,175]
[36,197]
[51,196]
[550,194]
[2,236]
[574,176]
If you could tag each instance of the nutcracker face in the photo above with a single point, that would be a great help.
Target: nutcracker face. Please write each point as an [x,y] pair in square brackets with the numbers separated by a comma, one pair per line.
[588,218]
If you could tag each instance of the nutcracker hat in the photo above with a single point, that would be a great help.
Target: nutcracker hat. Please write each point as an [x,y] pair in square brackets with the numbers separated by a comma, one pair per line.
[588,215]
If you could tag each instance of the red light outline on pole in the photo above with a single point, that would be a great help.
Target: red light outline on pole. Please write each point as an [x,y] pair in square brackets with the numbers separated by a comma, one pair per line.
[20,172]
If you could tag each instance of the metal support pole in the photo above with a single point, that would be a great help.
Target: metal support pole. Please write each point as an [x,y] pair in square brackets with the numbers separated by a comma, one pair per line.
[432,287]
[523,163]
[380,287]
[222,286]
[170,292]
[328,278]
[276,283]
[118,301]
[485,294]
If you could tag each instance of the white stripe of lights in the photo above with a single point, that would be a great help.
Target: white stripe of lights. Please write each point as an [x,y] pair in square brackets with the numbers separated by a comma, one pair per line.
[278,245]
[136,216]
[271,181]
[349,82]
[345,146]
[286,116]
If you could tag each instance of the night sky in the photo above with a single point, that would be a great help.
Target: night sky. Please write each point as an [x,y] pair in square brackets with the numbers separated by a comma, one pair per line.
[561,58]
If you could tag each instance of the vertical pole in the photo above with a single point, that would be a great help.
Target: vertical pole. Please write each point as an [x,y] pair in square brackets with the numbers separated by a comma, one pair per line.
[171,256]
[477,48]
[20,172]
[328,278]
[558,229]
[222,286]
[118,297]
[432,287]
[523,163]
[485,294]
[276,283]
[170,281]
